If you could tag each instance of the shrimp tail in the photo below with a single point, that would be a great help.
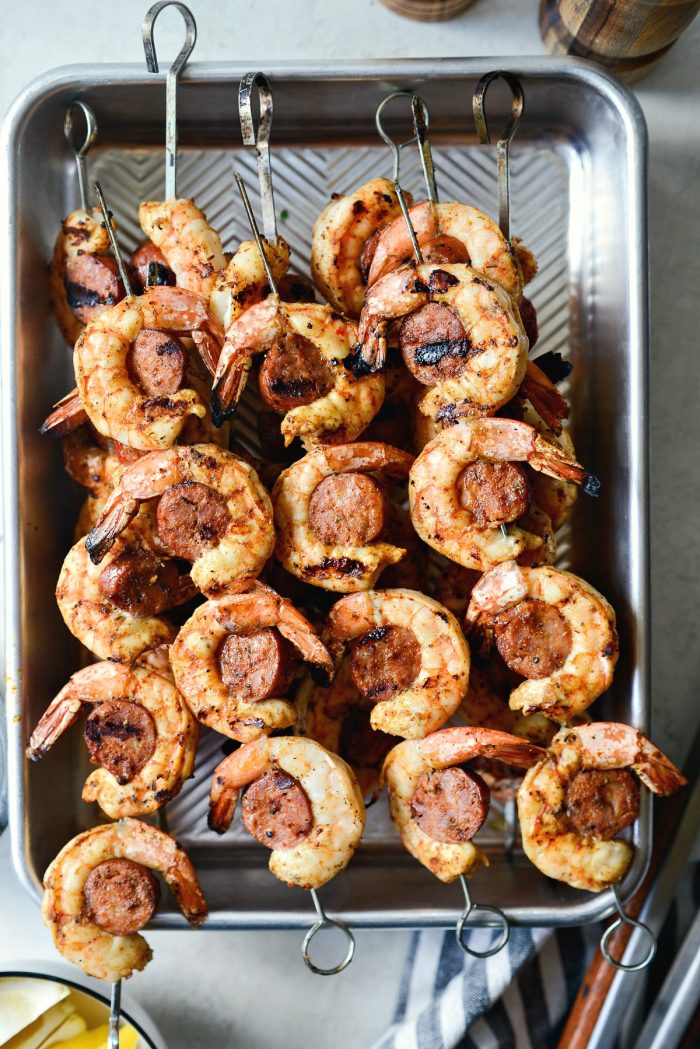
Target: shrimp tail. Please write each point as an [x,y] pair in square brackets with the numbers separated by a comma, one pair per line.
[229,383]
[62,713]
[111,524]
[544,397]
[658,772]
[223,799]
[67,415]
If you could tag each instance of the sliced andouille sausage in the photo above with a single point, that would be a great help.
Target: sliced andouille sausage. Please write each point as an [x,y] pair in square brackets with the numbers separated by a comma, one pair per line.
[121,737]
[434,343]
[444,249]
[92,284]
[121,896]
[156,362]
[450,805]
[257,666]
[146,256]
[601,803]
[139,582]
[533,638]
[385,661]
[293,372]
[495,492]
[192,517]
[294,287]
[276,810]
[347,510]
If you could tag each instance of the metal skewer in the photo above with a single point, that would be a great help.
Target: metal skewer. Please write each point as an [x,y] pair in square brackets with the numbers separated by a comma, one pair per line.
[171,81]
[259,138]
[503,144]
[256,233]
[644,930]
[324,922]
[82,150]
[396,148]
[116,251]
[499,921]
[115,1010]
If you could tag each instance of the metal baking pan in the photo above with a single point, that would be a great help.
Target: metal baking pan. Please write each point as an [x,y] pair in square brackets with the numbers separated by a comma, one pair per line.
[578,191]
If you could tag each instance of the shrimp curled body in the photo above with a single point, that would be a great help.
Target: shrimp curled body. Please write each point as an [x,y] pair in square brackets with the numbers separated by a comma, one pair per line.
[191,247]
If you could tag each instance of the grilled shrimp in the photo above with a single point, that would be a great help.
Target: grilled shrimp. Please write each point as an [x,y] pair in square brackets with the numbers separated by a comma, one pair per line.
[84,278]
[244,282]
[465,484]
[553,495]
[582,794]
[114,609]
[552,628]
[192,249]
[213,511]
[139,732]
[236,656]
[485,248]
[129,366]
[437,807]
[330,515]
[99,892]
[462,336]
[303,802]
[338,717]
[408,656]
[343,238]
[303,375]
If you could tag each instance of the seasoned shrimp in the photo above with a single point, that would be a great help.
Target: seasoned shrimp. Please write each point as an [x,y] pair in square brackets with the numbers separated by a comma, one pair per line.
[192,249]
[90,461]
[552,628]
[582,794]
[486,250]
[213,511]
[244,281]
[545,398]
[303,802]
[84,278]
[114,609]
[129,366]
[437,807]
[407,655]
[330,514]
[462,336]
[553,495]
[466,483]
[343,238]
[99,892]
[303,375]
[236,656]
[140,733]
[338,717]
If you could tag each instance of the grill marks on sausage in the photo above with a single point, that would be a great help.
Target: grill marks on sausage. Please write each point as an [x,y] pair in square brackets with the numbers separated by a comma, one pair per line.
[121,896]
[385,661]
[434,343]
[156,362]
[149,266]
[450,805]
[121,737]
[533,638]
[276,810]
[293,372]
[494,492]
[192,518]
[257,666]
[600,803]
[139,582]
[347,510]
[92,284]
[333,566]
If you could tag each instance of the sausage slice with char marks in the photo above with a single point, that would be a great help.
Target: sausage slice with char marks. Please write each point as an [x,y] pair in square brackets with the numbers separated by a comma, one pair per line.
[258,666]
[450,805]
[121,738]
[494,492]
[146,255]
[276,810]
[347,510]
[434,343]
[121,896]
[601,803]
[533,638]
[385,661]
[92,284]
[156,362]
[293,372]
[139,582]
[192,517]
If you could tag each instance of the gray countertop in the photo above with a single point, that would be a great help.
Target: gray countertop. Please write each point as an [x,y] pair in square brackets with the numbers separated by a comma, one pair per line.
[216,989]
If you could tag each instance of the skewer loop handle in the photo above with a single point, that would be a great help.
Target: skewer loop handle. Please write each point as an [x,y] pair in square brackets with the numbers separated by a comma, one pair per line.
[628,967]
[324,922]
[80,151]
[499,921]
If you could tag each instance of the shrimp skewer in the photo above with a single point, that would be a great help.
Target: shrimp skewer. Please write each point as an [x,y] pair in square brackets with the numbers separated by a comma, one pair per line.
[213,511]
[140,733]
[99,892]
[465,484]
[436,807]
[302,802]
[235,658]
[582,794]
[551,627]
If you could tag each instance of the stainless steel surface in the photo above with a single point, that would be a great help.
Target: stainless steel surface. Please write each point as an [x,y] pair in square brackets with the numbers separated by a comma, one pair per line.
[578,200]
[678,998]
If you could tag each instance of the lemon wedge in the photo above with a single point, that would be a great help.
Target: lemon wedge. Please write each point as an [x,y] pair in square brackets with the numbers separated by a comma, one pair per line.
[97,1039]
[24,1000]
